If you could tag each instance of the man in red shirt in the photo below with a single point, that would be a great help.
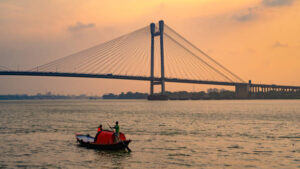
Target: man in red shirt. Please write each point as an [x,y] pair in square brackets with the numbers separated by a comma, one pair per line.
[98,132]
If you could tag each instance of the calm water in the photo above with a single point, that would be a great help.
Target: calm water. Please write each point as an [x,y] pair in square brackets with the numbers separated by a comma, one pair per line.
[168,134]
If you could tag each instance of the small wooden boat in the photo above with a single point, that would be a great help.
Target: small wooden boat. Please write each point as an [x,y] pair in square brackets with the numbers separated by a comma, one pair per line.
[105,141]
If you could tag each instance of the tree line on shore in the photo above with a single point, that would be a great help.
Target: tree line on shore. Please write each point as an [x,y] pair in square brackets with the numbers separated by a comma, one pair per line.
[45,96]
[210,94]
[180,95]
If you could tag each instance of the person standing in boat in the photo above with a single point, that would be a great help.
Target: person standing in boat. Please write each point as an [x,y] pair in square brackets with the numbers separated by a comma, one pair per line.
[98,132]
[117,130]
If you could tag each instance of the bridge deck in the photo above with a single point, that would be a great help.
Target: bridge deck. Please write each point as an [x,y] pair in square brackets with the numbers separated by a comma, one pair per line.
[142,78]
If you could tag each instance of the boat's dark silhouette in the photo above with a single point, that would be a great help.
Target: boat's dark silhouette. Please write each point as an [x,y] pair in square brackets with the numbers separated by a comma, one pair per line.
[105,140]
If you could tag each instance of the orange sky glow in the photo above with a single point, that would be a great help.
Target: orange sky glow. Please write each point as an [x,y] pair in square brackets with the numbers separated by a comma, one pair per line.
[255,39]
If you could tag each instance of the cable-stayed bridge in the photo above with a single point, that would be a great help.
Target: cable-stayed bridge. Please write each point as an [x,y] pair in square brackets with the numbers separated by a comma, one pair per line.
[157,54]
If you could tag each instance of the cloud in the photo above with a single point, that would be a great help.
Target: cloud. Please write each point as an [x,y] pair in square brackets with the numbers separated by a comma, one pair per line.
[273,3]
[80,26]
[279,45]
[249,15]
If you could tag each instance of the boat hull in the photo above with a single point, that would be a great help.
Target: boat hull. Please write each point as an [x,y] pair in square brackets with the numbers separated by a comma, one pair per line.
[88,142]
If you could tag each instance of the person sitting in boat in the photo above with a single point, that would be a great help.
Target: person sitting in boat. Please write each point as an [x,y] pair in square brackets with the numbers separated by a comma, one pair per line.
[99,128]
[117,130]
[98,132]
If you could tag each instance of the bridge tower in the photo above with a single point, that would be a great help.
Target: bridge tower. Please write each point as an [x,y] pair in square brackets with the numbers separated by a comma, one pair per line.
[161,81]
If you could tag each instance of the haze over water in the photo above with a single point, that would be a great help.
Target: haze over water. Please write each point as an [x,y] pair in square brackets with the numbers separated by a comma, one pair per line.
[168,134]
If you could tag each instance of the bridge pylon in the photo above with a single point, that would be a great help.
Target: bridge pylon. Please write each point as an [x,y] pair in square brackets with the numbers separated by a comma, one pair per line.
[160,33]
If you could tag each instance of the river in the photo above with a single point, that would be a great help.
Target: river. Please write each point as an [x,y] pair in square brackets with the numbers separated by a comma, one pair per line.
[164,134]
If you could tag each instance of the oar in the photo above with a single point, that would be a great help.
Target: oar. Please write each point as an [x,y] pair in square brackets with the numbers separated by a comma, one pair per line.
[109,125]
[126,146]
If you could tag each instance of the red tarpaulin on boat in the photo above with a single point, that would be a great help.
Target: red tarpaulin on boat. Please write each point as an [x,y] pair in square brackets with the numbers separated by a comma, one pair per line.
[107,137]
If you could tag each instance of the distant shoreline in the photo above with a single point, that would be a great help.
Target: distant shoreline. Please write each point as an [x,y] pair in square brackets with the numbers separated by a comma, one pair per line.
[10,99]
[211,94]
[47,96]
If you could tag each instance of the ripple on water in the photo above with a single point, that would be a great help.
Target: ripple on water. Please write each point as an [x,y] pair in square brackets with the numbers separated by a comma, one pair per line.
[235,147]
[250,166]
[178,154]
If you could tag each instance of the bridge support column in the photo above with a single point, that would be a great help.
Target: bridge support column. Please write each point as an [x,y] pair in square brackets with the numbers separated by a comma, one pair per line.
[152,29]
[242,91]
[161,82]
[161,30]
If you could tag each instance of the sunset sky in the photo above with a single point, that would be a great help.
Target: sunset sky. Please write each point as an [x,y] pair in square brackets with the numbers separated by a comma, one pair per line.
[255,39]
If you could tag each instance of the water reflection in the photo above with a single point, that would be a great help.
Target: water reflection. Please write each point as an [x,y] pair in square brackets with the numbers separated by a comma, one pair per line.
[111,158]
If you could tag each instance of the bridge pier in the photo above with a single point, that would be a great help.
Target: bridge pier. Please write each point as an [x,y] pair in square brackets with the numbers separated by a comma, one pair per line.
[268,91]
[242,91]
